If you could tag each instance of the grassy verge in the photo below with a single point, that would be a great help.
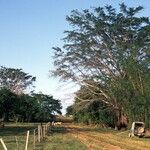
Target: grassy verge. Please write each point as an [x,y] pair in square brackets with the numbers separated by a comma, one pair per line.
[14,135]
[72,137]
[59,141]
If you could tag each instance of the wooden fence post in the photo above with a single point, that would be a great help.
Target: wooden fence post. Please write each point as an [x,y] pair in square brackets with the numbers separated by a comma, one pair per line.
[17,142]
[27,140]
[39,133]
[3,144]
[34,132]
[44,131]
[47,125]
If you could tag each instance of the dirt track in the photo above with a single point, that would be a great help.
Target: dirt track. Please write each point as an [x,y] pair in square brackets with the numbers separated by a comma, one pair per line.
[102,140]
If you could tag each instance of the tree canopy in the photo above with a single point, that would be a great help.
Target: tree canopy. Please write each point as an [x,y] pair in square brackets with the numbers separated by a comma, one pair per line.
[17,103]
[35,107]
[16,80]
[108,52]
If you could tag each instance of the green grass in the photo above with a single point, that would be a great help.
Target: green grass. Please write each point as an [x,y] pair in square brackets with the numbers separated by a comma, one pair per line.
[14,136]
[58,139]
[61,141]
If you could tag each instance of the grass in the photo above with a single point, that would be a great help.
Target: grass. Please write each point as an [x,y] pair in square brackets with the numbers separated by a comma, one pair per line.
[72,137]
[65,141]
[61,139]
[14,136]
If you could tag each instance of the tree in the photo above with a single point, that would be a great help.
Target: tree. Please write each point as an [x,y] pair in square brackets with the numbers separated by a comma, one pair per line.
[69,110]
[7,103]
[36,107]
[88,108]
[47,106]
[15,79]
[26,108]
[108,52]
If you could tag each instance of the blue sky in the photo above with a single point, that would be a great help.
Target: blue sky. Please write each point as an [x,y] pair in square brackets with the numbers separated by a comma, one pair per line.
[30,28]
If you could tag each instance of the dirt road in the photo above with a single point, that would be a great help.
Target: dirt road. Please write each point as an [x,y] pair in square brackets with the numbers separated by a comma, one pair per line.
[107,140]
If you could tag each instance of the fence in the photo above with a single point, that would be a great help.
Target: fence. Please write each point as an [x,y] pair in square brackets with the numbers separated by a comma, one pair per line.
[37,135]
[40,133]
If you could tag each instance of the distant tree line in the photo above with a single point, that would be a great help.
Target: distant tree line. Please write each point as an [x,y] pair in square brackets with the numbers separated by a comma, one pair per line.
[19,103]
[107,53]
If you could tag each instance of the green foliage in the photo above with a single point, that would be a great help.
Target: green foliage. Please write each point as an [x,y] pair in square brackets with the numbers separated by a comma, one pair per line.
[107,52]
[47,106]
[37,107]
[69,110]
[15,79]
[7,103]
[90,110]
[26,108]
[16,105]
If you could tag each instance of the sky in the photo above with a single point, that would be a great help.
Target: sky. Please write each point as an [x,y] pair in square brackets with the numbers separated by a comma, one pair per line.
[30,28]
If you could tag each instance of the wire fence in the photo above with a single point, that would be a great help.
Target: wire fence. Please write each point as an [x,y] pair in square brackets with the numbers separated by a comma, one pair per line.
[27,140]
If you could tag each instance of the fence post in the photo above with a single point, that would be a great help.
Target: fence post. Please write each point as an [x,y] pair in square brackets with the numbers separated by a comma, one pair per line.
[44,131]
[3,144]
[34,138]
[27,139]
[17,142]
[47,127]
[39,134]
[41,131]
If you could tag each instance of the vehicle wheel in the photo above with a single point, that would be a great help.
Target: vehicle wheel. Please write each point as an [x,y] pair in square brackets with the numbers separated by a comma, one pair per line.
[140,136]
[141,130]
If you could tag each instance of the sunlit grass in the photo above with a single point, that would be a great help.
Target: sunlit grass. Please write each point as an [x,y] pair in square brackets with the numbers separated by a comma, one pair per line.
[72,137]
[60,141]
[14,135]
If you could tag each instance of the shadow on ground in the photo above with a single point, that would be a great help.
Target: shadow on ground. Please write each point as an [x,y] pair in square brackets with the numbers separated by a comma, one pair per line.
[11,131]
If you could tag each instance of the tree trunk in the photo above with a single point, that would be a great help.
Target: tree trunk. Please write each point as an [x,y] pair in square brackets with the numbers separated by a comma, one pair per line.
[122,120]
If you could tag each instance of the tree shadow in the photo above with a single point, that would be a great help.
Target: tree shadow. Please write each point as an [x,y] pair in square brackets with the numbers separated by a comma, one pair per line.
[58,129]
[88,129]
[147,137]
[11,130]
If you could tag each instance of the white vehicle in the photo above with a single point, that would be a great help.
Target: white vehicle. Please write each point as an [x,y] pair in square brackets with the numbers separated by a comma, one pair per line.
[137,129]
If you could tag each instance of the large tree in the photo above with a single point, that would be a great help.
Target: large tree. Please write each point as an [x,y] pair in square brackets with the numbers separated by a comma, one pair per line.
[35,107]
[47,106]
[15,79]
[8,101]
[90,108]
[108,51]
